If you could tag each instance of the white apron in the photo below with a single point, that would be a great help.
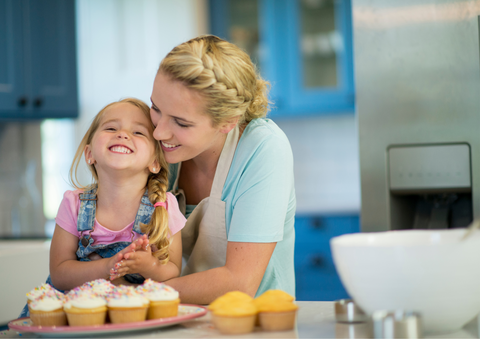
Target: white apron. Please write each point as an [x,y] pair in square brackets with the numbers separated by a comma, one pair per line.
[204,237]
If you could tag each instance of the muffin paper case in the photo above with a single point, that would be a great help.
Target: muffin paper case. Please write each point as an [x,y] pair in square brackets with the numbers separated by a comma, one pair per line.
[164,300]
[125,305]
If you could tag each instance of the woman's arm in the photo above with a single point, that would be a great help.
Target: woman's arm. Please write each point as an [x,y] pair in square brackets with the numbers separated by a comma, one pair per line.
[65,270]
[144,263]
[244,269]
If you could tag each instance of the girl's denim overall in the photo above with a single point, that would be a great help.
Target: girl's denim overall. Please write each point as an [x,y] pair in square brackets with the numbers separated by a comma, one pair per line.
[85,225]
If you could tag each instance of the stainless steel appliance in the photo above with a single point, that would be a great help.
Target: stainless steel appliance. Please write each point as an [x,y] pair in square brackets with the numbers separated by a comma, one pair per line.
[417,74]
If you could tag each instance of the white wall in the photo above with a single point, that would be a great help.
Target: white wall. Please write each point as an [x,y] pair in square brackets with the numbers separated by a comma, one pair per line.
[120,46]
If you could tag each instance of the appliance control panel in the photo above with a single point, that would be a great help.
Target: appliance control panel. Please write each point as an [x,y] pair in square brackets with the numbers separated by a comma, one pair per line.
[431,167]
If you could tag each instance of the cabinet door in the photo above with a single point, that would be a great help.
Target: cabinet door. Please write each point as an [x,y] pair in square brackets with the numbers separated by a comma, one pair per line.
[38,78]
[12,76]
[52,58]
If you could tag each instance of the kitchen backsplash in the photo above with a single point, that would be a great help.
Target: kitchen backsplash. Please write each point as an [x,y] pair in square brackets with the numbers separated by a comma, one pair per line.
[21,201]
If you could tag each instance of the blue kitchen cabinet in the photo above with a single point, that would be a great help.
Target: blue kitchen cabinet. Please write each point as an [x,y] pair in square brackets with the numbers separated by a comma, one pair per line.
[303,48]
[38,68]
[315,273]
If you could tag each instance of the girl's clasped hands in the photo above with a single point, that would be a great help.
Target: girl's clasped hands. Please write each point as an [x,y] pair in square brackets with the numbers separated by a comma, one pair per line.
[136,258]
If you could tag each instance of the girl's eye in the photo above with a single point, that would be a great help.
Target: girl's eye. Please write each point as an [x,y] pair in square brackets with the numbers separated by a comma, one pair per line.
[138,133]
[110,129]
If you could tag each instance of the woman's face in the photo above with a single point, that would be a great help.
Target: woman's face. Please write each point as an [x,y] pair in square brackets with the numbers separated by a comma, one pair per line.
[182,128]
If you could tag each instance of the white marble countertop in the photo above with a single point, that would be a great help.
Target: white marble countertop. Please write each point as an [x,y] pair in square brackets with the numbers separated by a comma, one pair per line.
[316,319]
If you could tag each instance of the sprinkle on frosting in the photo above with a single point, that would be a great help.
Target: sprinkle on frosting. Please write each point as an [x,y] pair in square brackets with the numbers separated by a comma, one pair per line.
[49,301]
[126,296]
[156,291]
[42,290]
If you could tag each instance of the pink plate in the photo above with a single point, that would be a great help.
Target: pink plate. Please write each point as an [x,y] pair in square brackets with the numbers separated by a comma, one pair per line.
[185,312]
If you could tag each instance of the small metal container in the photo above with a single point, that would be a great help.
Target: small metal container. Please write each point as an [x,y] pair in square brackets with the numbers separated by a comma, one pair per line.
[346,311]
[397,324]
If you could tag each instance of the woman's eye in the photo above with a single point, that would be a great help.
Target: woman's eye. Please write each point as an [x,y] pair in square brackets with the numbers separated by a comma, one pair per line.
[181,125]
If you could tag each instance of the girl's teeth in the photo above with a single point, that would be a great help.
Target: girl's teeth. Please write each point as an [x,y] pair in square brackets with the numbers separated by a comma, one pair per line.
[121,149]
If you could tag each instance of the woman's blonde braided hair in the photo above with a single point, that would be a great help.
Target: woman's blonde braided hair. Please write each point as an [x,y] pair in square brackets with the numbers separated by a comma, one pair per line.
[223,74]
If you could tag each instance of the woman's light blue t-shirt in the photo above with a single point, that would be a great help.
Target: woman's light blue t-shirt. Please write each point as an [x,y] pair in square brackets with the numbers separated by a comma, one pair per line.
[259,198]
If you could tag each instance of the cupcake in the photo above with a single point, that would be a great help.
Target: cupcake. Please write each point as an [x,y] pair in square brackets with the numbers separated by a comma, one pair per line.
[47,310]
[233,313]
[126,305]
[39,291]
[85,308]
[100,287]
[163,299]
[276,310]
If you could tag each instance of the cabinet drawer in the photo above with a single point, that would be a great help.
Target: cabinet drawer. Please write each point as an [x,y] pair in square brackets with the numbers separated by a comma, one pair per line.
[314,229]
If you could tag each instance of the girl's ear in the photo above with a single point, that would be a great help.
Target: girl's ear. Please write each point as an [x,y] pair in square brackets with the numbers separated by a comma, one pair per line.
[229,125]
[88,155]
[154,167]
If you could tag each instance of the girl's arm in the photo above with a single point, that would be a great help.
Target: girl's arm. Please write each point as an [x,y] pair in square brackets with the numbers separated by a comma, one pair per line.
[144,263]
[65,270]
[244,269]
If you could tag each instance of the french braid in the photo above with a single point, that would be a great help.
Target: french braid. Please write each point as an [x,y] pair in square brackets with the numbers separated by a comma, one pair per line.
[157,229]
[223,74]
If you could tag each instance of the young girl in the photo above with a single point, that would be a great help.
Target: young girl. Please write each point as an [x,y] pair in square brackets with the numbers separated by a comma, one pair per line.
[126,202]
[97,224]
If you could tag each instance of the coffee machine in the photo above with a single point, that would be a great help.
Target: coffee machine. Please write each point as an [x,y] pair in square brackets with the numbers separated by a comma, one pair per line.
[417,78]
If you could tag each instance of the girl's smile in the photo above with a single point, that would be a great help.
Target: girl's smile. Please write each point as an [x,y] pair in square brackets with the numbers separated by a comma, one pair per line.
[123,141]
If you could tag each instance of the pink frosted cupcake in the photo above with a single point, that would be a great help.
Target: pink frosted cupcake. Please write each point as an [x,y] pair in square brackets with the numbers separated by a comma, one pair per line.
[164,300]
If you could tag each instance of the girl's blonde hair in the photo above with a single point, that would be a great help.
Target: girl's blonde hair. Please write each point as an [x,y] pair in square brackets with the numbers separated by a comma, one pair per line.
[223,74]
[157,229]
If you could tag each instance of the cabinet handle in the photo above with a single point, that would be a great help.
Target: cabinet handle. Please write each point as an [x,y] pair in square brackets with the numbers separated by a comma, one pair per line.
[38,102]
[22,101]
[317,261]
[316,223]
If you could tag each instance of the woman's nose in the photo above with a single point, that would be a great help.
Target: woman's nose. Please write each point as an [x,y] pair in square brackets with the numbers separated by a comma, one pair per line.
[162,132]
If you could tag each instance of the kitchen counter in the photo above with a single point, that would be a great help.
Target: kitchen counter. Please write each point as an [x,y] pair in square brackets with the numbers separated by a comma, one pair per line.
[316,319]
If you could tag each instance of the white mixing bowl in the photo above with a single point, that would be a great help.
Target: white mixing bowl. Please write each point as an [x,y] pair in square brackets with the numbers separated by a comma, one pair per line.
[428,271]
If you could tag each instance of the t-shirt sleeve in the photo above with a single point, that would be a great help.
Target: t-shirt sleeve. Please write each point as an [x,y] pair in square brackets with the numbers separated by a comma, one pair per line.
[68,212]
[176,220]
[264,193]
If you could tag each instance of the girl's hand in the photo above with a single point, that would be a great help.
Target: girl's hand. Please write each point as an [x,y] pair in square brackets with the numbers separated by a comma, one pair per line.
[141,244]
[135,262]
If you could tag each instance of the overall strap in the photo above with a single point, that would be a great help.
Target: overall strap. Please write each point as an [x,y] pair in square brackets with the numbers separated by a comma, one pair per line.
[144,213]
[88,205]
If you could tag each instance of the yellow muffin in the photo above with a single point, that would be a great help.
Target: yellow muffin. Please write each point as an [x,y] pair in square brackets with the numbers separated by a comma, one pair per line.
[233,313]
[276,311]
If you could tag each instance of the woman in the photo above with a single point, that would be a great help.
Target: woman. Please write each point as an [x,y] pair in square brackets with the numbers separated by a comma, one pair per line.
[231,170]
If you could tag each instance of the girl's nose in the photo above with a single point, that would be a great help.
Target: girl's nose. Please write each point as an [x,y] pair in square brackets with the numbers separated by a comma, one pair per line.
[122,135]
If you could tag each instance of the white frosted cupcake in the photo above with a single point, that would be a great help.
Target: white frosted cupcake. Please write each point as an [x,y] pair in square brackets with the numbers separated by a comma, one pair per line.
[126,305]
[100,287]
[47,310]
[40,291]
[164,300]
[85,308]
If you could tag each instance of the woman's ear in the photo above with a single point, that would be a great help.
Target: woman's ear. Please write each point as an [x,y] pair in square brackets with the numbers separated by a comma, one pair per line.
[154,167]
[229,125]
[88,155]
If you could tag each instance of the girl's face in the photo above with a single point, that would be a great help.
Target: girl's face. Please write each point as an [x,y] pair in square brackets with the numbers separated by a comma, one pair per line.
[123,141]
[182,128]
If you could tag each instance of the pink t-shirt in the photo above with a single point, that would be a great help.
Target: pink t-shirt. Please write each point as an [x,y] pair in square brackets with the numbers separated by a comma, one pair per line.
[68,214]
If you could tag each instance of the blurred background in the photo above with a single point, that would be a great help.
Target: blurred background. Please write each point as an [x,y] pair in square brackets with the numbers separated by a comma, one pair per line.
[61,61]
